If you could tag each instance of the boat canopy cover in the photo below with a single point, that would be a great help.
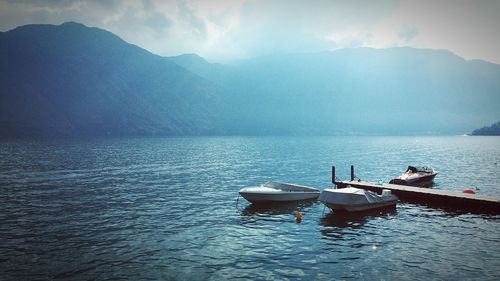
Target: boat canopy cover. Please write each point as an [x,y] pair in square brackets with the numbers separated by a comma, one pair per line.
[415,169]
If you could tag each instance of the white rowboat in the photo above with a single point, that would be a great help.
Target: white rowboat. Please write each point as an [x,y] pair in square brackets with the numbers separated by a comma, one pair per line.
[278,192]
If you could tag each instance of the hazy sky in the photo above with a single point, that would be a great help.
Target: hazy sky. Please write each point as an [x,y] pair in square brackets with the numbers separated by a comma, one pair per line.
[222,30]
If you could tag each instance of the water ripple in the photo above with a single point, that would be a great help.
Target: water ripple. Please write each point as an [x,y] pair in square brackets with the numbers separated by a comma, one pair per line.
[167,209]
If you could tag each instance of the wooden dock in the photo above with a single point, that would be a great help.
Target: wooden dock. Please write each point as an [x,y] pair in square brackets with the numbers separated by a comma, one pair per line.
[439,198]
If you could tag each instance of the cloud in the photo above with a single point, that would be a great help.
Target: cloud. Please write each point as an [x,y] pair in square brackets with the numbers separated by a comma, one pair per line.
[223,30]
[218,29]
[138,21]
[191,19]
[467,28]
[153,19]
[407,33]
[296,26]
[16,13]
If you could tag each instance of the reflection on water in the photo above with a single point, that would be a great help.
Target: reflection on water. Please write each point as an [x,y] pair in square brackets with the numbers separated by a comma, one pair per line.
[277,208]
[355,219]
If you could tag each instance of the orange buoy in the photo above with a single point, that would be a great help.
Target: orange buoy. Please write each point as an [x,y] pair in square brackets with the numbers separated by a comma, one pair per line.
[298,217]
[469,191]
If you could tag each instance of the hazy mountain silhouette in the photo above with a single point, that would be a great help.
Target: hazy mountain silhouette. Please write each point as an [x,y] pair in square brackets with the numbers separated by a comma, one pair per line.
[72,80]
[372,91]
[493,130]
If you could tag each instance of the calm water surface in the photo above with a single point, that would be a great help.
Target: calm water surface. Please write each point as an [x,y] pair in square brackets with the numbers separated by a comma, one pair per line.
[167,208]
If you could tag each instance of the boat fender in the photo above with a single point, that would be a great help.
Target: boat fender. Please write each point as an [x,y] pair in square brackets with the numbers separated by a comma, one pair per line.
[469,191]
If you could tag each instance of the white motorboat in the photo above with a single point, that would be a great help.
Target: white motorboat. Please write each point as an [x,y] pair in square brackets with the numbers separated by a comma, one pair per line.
[278,192]
[416,176]
[352,199]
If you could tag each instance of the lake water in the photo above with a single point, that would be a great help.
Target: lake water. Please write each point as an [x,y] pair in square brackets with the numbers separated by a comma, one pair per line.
[167,209]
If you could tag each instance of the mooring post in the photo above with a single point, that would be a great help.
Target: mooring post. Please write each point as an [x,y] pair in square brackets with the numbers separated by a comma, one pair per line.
[333,175]
[352,172]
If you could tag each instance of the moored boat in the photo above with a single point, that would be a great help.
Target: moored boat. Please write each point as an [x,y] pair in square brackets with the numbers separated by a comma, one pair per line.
[352,199]
[278,192]
[416,176]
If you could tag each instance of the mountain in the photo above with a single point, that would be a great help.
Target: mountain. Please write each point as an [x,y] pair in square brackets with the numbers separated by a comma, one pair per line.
[71,80]
[493,130]
[361,91]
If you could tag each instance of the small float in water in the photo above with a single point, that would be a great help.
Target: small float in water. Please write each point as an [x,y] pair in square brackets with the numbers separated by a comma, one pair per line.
[416,176]
[278,192]
[352,199]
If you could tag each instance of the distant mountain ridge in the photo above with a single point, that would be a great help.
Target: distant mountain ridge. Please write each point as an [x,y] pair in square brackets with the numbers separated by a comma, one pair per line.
[363,91]
[493,130]
[72,80]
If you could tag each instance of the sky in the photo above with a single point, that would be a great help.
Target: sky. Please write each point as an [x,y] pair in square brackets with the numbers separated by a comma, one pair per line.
[226,30]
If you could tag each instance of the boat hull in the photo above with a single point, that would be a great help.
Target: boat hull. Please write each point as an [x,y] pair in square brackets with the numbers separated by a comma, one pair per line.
[278,197]
[360,207]
[415,181]
[279,192]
